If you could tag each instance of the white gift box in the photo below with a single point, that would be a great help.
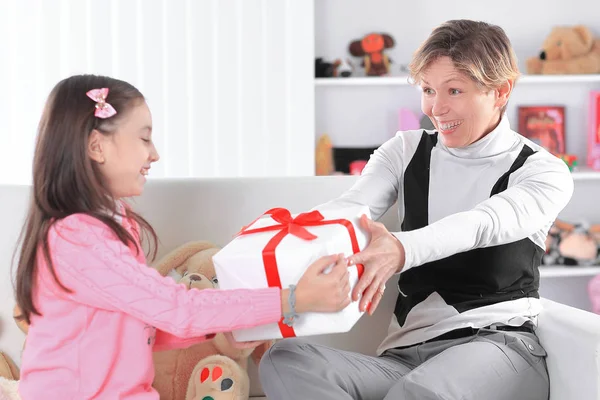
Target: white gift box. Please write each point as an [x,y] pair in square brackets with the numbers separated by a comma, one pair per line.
[239,265]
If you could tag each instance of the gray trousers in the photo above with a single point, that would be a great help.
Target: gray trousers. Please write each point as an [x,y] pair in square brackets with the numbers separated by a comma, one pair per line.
[490,365]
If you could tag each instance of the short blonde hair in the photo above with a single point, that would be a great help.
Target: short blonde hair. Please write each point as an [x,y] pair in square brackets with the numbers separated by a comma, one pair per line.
[480,50]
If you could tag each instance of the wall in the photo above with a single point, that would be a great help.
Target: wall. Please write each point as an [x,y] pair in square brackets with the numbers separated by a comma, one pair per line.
[227,81]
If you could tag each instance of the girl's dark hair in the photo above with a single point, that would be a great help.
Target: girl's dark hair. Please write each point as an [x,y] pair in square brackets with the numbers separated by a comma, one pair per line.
[66,181]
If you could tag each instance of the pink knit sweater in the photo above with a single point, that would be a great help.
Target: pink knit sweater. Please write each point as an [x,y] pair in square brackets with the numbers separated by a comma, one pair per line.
[97,341]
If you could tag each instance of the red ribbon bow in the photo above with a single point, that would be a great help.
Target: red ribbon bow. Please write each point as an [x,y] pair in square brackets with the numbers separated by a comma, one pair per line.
[297,227]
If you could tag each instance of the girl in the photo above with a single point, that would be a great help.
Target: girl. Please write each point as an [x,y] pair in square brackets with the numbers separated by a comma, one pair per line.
[96,311]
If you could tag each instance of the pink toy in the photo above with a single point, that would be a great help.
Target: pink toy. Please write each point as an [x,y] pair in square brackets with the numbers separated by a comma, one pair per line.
[594,293]
[357,166]
[593,159]
[407,120]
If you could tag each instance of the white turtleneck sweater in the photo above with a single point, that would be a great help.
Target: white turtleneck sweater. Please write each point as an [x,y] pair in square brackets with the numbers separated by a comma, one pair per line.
[463,216]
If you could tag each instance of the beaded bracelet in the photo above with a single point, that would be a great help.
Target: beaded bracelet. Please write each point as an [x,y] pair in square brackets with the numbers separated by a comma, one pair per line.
[289,317]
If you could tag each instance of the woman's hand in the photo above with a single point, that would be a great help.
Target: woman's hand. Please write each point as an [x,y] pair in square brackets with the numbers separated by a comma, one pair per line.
[243,345]
[382,258]
[321,291]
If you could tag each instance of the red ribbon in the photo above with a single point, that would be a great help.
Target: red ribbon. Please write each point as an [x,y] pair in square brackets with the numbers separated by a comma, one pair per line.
[293,226]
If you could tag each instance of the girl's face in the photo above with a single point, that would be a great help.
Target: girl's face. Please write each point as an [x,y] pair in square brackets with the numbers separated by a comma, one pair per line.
[124,158]
[461,111]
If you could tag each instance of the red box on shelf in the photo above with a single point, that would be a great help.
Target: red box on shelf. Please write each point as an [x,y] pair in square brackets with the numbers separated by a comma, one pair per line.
[544,125]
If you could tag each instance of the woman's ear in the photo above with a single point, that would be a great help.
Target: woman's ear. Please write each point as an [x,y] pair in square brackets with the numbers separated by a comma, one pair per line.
[503,93]
[96,146]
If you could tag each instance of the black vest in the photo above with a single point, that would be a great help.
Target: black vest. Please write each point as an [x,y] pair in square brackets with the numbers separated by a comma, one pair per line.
[471,279]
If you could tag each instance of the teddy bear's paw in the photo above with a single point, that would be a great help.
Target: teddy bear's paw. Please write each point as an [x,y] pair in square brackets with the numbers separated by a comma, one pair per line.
[218,379]
[9,389]
[534,65]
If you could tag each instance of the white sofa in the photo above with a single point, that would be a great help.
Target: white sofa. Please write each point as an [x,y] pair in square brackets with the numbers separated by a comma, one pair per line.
[214,209]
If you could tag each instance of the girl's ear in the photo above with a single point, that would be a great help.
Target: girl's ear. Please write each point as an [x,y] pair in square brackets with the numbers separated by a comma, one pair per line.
[96,146]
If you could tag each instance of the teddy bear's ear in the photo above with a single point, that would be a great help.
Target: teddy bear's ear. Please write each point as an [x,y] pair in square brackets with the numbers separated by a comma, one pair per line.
[180,255]
[585,34]
[580,42]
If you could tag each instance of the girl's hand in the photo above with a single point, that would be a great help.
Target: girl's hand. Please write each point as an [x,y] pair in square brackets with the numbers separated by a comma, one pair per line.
[243,345]
[320,291]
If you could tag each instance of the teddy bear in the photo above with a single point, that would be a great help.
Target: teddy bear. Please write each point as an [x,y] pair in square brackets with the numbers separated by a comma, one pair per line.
[212,369]
[9,372]
[9,378]
[567,50]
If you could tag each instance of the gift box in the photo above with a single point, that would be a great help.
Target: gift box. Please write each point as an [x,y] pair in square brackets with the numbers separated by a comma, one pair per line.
[276,249]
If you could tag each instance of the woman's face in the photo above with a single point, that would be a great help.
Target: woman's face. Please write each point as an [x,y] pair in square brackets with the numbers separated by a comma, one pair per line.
[461,111]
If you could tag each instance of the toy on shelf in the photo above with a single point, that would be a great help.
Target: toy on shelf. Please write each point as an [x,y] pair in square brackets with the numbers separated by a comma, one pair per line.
[573,244]
[371,48]
[407,120]
[324,156]
[340,67]
[357,166]
[567,50]
[570,160]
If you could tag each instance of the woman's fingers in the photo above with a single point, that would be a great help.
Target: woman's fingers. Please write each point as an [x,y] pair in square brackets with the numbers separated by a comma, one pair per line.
[377,299]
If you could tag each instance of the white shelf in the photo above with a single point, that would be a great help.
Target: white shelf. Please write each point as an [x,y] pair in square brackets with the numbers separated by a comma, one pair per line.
[559,271]
[586,174]
[403,80]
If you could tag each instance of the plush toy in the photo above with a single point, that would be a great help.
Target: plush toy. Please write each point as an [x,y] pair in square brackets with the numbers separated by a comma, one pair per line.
[9,378]
[9,372]
[572,244]
[567,50]
[209,370]
[338,68]
[343,68]
[371,48]
[324,156]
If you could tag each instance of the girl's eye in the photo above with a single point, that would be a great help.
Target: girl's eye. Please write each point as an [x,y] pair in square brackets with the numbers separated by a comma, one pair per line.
[454,91]
[428,91]
[146,140]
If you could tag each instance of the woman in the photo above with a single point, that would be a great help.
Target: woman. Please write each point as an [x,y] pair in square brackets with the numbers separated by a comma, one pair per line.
[476,201]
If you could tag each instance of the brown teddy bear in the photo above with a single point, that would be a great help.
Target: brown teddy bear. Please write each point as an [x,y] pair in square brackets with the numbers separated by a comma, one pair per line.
[209,370]
[9,378]
[567,50]
[9,372]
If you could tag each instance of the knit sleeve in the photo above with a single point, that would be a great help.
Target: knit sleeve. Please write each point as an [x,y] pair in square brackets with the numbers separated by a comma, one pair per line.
[166,341]
[102,272]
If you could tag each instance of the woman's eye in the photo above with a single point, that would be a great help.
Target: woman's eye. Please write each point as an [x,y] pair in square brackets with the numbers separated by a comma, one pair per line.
[427,91]
[454,91]
[146,140]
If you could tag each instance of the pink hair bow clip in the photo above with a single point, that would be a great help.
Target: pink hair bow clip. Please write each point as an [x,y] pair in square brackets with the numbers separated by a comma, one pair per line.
[103,109]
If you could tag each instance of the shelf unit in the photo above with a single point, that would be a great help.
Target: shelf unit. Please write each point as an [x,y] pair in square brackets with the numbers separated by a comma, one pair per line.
[561,271]
[586,174]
